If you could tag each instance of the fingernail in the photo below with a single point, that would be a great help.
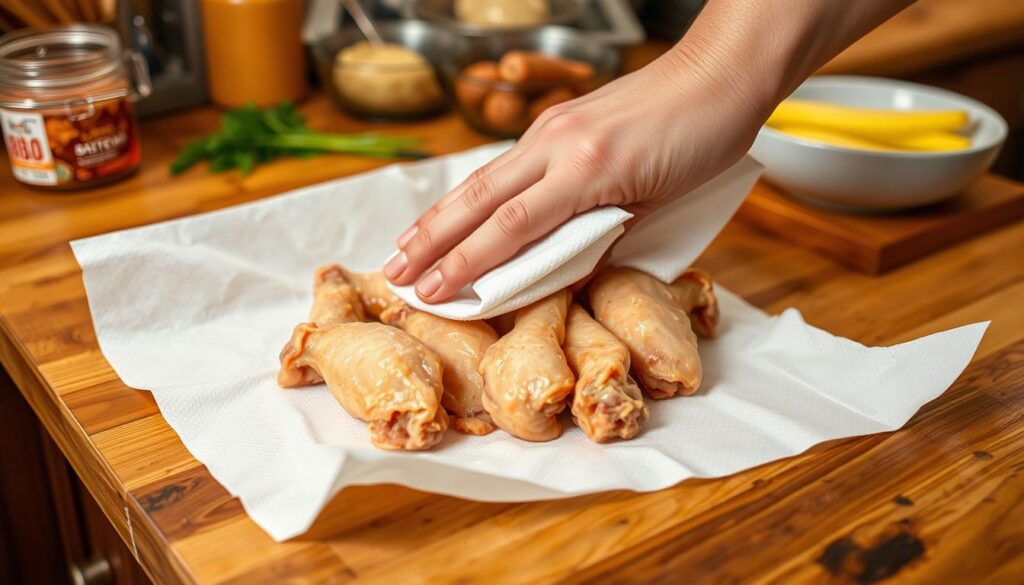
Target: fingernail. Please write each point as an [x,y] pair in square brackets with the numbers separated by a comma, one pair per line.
[396,265]
[407,235]
[429,284]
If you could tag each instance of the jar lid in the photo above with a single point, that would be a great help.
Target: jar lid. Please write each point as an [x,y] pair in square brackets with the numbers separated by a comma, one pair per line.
[58,57]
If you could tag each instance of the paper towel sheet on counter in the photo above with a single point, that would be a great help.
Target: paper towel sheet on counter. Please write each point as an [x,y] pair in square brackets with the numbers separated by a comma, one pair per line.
[195,310]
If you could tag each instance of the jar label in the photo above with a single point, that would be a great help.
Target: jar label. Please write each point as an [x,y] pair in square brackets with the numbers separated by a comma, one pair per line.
[28,147]
[72,147]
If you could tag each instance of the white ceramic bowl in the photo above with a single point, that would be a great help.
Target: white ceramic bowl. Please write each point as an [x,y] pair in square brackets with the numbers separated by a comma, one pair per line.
[866,180]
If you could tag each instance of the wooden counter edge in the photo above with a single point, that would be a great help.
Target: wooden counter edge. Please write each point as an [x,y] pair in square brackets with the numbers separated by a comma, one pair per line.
[123,511]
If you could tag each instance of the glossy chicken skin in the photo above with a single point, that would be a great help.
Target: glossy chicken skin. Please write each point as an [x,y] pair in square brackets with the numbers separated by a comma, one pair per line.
[461,346]
[656,322]
[606,403]
[694,292]
[334,299]
[373,290]
[378,374]
[526,377]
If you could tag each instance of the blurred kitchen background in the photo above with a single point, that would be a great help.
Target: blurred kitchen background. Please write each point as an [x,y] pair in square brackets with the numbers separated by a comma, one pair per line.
[231,52]
[975,48]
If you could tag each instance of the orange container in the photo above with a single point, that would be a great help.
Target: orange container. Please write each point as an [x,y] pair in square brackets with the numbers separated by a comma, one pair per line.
[254,51]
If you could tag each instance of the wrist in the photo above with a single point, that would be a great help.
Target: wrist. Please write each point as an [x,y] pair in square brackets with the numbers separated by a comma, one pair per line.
[757,50]
[729,55]
[764,49]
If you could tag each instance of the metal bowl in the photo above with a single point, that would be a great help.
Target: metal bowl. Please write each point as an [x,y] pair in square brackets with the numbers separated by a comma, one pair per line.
[552,40]
[434,43]
[442,12]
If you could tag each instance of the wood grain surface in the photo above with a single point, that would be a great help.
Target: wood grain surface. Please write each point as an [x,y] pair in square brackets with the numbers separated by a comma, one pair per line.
[941,500]
[876,243]
[934,33]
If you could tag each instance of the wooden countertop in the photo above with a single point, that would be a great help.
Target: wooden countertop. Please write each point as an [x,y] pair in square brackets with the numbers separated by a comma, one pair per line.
[928,34]
[941,500]
[934,33]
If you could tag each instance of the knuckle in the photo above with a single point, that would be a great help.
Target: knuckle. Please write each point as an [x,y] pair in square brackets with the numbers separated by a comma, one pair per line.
[481,189]
[427,216]
[592,154]
[565,121]
[513,218]
[456,263]
[422,241]
[548,115]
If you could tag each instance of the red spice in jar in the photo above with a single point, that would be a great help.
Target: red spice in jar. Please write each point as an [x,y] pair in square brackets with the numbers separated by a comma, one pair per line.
[66,107]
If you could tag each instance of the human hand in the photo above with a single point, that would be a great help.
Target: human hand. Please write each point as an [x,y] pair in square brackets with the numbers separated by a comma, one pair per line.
[638,142]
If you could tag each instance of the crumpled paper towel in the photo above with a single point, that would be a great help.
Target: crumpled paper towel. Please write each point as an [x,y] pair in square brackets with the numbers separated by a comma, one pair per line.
[664,244]
[195,310]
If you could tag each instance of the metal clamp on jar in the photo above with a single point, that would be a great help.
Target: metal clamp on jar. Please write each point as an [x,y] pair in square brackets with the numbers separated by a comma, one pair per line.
[67,106]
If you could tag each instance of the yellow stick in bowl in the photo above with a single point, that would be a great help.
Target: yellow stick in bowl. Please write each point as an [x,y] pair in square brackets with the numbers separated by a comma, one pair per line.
[833,138]
[865,122]
[929,141]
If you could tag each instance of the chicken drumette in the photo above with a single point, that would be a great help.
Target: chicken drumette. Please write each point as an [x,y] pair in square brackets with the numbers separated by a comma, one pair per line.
[526,377]
[656,322]
[373,290]
[377,373]
[459,344]
[335,300]
[606,402]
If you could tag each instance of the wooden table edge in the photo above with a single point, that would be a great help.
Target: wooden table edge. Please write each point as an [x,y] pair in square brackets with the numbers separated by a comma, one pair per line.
[119,506]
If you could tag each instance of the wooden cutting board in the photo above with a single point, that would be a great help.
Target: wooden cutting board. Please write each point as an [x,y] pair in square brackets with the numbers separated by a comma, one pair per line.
[877,243]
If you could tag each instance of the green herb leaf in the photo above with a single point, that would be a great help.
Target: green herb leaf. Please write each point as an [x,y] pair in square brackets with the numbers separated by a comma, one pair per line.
[250,136]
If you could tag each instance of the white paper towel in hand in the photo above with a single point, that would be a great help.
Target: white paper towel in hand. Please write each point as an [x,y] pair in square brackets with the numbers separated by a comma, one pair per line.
[664,244]
[196,310]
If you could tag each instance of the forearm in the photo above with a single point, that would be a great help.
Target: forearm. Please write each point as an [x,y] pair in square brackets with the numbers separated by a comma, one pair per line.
[761,50]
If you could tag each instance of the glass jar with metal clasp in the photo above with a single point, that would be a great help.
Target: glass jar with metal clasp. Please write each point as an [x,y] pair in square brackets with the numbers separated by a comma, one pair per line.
[67,98]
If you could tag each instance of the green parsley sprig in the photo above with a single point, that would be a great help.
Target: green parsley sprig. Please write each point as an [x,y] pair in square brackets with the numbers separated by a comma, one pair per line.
[249,136]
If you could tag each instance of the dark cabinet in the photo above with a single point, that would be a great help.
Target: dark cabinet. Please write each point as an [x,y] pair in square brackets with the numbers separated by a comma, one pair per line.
[51,529]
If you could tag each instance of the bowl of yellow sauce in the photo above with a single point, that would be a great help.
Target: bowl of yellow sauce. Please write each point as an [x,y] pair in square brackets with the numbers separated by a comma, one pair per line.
[394,81]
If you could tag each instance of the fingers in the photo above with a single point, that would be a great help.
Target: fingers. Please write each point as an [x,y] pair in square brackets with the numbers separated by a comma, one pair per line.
[516,223]
[507,157]
[487,169]
[461,214]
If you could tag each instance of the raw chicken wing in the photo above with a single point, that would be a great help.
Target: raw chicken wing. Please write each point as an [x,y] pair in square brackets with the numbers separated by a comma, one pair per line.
[606,403]
[334,299]
[694,292]
[526,377]
[656,321]
[373,290]
[460,345]
[378,374]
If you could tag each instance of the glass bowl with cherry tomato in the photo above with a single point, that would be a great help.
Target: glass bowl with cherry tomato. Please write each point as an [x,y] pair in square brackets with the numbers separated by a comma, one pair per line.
[501,84]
